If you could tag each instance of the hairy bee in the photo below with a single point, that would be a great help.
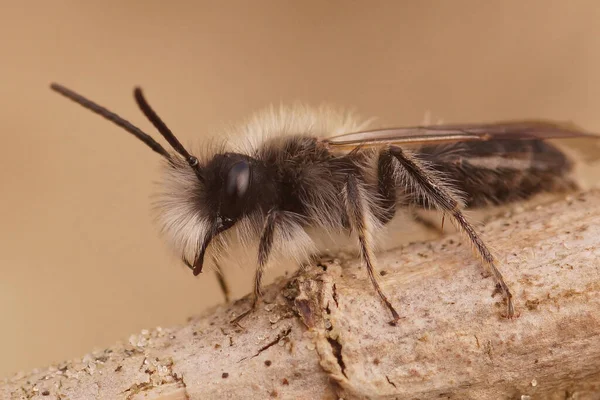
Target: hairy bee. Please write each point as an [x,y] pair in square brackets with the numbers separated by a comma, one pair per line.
[290,173]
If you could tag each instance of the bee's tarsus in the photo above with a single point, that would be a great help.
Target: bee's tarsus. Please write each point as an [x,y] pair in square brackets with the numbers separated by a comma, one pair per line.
[239,318]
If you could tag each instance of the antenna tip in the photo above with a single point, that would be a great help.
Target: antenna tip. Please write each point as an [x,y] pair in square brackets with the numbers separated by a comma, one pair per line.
[137,91]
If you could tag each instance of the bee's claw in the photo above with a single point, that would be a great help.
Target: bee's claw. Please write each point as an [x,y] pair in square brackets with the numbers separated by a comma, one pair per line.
[236,320]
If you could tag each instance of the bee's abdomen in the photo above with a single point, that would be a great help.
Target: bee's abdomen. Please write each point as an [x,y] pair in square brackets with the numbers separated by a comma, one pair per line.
[498,172]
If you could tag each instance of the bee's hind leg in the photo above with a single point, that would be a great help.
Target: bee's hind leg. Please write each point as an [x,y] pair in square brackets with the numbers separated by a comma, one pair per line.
[388,197]
[442,197]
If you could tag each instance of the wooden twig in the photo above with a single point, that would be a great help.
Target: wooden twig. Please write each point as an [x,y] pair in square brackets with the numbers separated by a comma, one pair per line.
[323,334]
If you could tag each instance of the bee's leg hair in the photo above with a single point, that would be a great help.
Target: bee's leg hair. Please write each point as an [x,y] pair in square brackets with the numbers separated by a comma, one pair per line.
[386,186]
[440,195]
[388,196]
[264,249]
[359,214]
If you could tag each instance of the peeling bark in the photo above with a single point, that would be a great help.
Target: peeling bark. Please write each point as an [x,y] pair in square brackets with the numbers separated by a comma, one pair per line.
[323,334]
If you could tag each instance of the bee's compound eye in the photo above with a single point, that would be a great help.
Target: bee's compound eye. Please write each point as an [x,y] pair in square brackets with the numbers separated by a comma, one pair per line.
[238,180]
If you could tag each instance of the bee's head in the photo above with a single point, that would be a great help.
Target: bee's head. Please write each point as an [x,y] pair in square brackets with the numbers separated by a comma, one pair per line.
[231,182]
[195,208]
[198,202]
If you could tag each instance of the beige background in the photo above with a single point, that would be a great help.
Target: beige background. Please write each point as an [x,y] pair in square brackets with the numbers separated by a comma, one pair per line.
[81,262]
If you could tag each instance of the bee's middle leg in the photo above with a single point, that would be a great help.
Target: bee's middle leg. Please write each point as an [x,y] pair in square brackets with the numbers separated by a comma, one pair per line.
[358,216]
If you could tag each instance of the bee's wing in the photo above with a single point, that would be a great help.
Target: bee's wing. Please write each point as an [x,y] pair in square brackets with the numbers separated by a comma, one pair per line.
[438,134]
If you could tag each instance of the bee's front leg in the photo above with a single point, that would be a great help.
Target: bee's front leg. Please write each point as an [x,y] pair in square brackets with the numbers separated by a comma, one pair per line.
[222,281]
[264,249]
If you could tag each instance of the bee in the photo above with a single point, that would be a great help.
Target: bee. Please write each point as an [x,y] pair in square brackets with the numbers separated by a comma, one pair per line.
[289,174]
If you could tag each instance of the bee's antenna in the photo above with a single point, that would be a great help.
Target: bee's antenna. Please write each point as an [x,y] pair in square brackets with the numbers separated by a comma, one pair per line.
[111,116]
[164,129]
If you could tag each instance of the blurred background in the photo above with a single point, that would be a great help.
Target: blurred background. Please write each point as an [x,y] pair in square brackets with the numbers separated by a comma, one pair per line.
[82,263]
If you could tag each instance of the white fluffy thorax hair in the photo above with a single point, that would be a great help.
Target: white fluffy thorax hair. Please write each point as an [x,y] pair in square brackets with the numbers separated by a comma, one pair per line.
[184,222]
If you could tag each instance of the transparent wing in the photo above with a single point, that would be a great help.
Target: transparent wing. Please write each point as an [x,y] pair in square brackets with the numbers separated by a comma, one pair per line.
[438,134]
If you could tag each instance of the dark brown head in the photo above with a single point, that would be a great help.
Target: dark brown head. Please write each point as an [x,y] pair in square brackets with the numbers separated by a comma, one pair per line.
[233,187]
